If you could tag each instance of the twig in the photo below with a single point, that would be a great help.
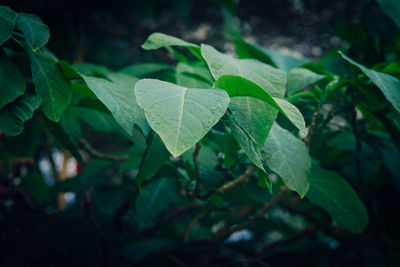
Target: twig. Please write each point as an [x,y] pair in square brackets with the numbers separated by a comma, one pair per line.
[94,153]
[194,222]
[242,178]
[310,133]
[278,196]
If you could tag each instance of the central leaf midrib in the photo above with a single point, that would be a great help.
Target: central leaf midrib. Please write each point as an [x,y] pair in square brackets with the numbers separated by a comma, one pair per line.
[180,116]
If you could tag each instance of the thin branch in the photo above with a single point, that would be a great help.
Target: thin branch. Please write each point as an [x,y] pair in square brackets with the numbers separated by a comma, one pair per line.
[278,196]
[310,133]
[194,222]
[94,153]
[242,178]
[197,167]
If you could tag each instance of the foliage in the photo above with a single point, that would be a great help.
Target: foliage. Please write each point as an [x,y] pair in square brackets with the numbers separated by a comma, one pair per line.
[201,154]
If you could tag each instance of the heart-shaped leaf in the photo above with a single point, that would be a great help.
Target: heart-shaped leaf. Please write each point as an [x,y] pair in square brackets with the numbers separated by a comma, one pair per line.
[180,116]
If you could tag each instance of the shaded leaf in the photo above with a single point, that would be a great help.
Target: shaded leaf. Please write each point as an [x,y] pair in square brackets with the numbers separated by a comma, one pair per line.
[330,191]
[50,84]
[36,33]
[180,116]
[299,78]
[388,84]
[12,83]
[161,194]
[13,115]
[7,23]
[392,9]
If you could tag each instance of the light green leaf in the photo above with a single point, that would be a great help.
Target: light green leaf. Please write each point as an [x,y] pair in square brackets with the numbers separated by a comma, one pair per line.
[238,86]
[13,115]
[12,83]
[255,116]
[299,78]
[36,33]
[388,84]
[157,40]
[248,145]
[180,116]
[50,84]
[143,70]
[288,157]
[330,191]
[148,207]
[193,75]
[270,79]
[7,23]
[392,9]
[269,56]
[118,96]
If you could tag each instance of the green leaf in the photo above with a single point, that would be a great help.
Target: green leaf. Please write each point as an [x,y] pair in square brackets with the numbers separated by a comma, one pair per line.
[299,78]
[143,70]
[153,159]
[180,116]
[388,84]
[254,116]
[270,79]
[12,83]
[392,9]
[158,40]
[248,145]
[50,84]
[282,62]
[330,191]
[97,119]
[238,86]
[193,75]
[36,33]
[118,96]
[7,23]
[161,194]
[13,115]
[264,181]
[288,157]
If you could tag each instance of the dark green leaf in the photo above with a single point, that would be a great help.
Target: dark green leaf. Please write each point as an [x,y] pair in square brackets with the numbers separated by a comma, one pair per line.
[7,23]
[299,78]
[330,191]
[161,194]
[36,33]
[12,83]
[13,115]
[50,84]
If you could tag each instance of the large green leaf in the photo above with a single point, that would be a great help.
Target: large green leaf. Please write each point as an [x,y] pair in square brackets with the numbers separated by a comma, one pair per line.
[248,145]
[388,84]
[272,80]
[288,157]
[180,116]
[12,83]
[238,86]
[330,191]
[193,75]
[391,9]
[36,33]
[13,115]
[50,84]
[7,23]
[255,116]
[118,96]
[143,70]
[299,78]
[149,206]
[269,56]
[157,40]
